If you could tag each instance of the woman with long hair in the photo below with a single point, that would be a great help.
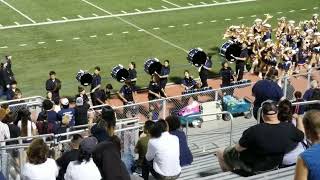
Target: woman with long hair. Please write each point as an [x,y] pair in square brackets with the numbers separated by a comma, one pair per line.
[27,127]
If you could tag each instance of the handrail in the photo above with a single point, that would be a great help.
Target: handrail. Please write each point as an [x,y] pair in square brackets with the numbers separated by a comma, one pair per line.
[22,99]
[295,103]
[27,137]
[212,114]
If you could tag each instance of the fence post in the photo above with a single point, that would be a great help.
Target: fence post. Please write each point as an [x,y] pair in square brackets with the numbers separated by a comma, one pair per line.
[21,153]
[164,107]
[309,78]
[285,84]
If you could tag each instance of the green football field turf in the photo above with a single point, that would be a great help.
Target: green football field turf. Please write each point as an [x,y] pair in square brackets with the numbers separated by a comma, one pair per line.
[68,35]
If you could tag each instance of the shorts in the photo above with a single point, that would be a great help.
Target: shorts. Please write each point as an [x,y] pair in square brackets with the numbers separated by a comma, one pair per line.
[232,158]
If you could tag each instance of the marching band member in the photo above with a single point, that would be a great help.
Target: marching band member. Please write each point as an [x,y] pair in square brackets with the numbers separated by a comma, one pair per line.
[188,82]
[204,72]
[132,73]
[241,61]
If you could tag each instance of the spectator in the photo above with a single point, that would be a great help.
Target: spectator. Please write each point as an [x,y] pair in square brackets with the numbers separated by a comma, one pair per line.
[257,149]
[307,95]
[132,73]
[39,166]
[82,93]
[81,112]
[27,127]
[8,75]
[84,167]
[298,109]
[107,154]
[4,128]
[56,106]
[308,164]
[63,128]
[109,92]
[12,90]
[53,85]
[163,150]
[13,129]
[261,90]
[175,129]
[141,149]
[47,121]
[285,115]
[69,156]
[66,111]
[72,102]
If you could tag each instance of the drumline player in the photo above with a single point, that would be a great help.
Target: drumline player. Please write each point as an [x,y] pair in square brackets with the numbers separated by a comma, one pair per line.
[132,73]
[241,61]
[204,72]
[164,74]
[127,94]
[155,92]
[95,85]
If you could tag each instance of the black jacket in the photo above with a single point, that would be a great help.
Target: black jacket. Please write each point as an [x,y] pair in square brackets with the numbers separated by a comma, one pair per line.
[107,157]
[81,114]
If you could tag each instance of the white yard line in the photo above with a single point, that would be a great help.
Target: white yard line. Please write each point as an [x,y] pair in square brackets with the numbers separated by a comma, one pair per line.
[173,4]
[164,7]
[4,47]
[94,14]
[59,40]
[66,20]
[137,27]
[21,13]
[125,12]
[93,36]
[48,19]
[151,9]
[18,24]
[80,16]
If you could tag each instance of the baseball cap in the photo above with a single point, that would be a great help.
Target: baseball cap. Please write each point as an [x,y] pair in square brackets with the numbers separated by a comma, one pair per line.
[79,101]
[88,144]
[269,108]
[64,101]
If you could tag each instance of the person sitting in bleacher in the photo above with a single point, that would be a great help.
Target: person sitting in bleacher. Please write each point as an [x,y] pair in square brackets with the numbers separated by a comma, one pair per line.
[186,157]
[307,95]
[66,110]
[285,115]
[261,147]
[163,152]
[308,164]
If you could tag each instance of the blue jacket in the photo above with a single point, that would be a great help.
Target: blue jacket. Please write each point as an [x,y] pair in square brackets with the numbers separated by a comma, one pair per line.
[186,157]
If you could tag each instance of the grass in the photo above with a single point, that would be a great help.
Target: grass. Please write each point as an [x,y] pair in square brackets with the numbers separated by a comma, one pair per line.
[32,63]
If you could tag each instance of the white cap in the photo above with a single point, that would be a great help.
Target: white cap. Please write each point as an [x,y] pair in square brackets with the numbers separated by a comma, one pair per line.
[287,49]
[282,18]
[258,37]
[64,101]
[267,40]
[258,20]
[315,15]
[317,34]
[309,30]
[291,21]
[297,28]
[267,25]
[250,35]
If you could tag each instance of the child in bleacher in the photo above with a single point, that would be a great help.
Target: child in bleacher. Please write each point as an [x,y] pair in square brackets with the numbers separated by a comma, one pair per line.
[298,109]
[142,147]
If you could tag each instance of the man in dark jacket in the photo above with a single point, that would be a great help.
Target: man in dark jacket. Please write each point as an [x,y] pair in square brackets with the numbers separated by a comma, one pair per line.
[81,112]
[107,155]
[53,85]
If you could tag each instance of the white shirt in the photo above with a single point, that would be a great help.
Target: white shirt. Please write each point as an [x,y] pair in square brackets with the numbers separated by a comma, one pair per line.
[4,132]
[45,171]
[83,171]
[165,153]
[29,129]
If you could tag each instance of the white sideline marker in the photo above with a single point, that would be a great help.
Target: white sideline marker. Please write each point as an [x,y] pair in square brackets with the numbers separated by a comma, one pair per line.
[190,4]
[279,12]
[94,14]
[124,12]
[80,16]
[141,30]
[125,32]
[173,4]
[171,26]
[76,38]
[22,14]
[4,47]
[291,11]
[303,9]
[151,9]
[203,3]
[59,40]
[0,25]
[253,15]
[93,36]
[164,7]
[215,1]
[213,21]
[200,22]
[240,17]
[22,45]
[109,34]
[64,18]
[17,23]
[316,8]
[41,42]
[186,24]
[137,10]
[227,19]
[156,28]
[49,20]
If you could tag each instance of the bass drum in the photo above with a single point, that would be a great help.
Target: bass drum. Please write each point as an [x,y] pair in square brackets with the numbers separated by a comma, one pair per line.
[197,57]
[152,65]
[119,73]
[228,48]
[84,78]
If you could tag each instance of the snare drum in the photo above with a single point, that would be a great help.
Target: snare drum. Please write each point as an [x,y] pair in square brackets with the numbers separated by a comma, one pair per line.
[228,48]
[84,78]
[197,57]
[119,73]
[152,65]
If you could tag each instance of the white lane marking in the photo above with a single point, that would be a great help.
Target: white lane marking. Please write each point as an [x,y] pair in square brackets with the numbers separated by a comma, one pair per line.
[48,19]
[151,9]
[155,28]
[41,42]
[94,14]
[125,12]
[93,36]
[173,4]
[291,11]
[141,30]
[279,12]
[80,16]
[137,10]
[21,13]
[190,4]
[253,15]
[227,19]
[125,32]
[4,47]
[23,45]
[213,21]
[171,26]
[186,24]
[109,34]
[59,40]
[200,22]
[203,3]
[316,8]
[240,17]
[137,27]
[17,23]
[123,15]
[0,25]
[76,38]
[303,9]
[164,7]
[215,1]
